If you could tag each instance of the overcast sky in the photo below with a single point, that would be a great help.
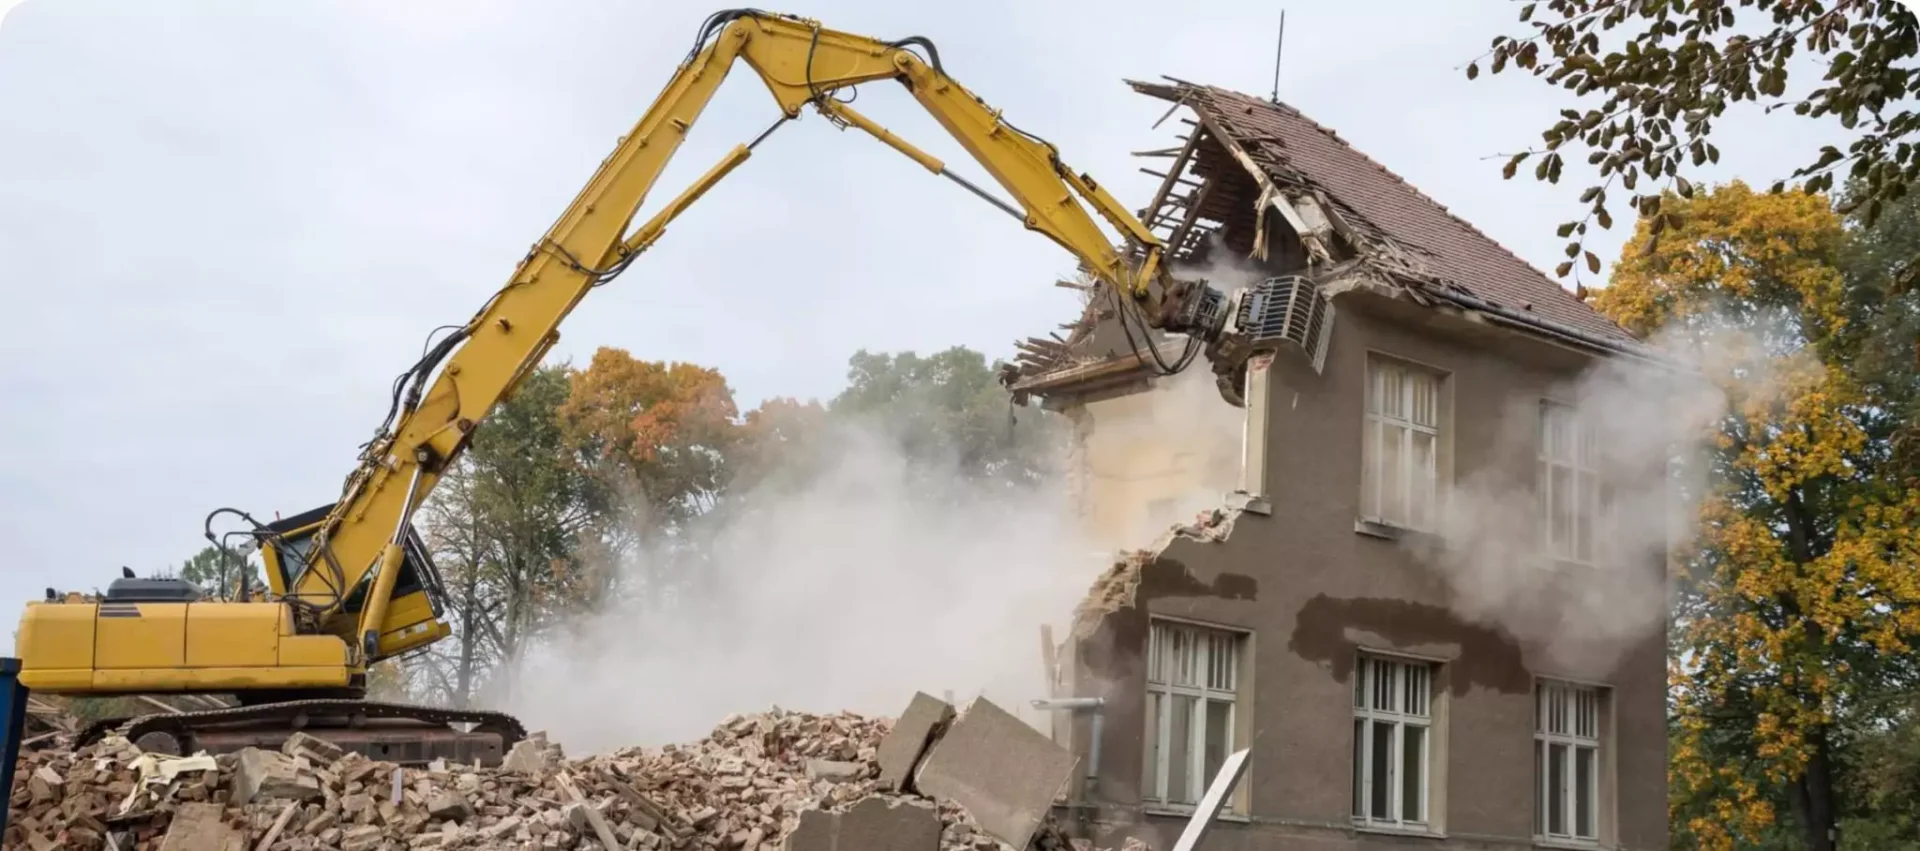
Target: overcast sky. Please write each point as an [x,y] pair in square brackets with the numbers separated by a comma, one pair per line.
[225,226]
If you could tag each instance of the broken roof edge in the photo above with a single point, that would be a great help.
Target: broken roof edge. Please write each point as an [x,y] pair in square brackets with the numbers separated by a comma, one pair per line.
[1096,374]
[1182,93]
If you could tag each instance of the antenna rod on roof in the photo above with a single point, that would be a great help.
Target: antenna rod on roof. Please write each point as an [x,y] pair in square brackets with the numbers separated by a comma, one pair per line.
[1278,44]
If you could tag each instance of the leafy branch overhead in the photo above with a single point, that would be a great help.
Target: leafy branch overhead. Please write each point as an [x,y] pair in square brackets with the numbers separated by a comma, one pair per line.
[1672,68]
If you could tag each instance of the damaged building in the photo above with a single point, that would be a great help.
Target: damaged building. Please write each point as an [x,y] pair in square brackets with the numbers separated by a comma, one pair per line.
[1300,619]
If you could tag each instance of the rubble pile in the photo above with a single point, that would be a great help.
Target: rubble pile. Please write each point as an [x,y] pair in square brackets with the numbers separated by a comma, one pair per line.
[765,782]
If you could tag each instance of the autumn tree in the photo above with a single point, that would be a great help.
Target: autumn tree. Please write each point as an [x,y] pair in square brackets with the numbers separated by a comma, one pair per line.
[654,437]
[1798,601]
[1654,79]
[783,437]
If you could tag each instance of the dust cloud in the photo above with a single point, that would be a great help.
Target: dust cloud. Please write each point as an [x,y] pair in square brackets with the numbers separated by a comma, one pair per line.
[1583,605]
[868,575]
[1159,458]
[850,586]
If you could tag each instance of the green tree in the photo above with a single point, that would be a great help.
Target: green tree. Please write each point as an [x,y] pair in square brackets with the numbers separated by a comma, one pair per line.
[505,525]
[1883,333]
[458,530]
[949,411]
[1798,603]
[1657,76]
[218,573]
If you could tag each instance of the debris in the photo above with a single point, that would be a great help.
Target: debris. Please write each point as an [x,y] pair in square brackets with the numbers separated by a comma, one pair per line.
[201,827]
[448,805]
[900,751]
[266,774]
[834,770]
[875,823]
[315,751]
[363,838]
[531,756]
[758,782]
[44,784]
[279,824]
[591,815]
[1001,770]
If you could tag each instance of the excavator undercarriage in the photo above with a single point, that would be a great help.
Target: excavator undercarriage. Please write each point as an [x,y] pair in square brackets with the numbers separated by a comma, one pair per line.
[400,733]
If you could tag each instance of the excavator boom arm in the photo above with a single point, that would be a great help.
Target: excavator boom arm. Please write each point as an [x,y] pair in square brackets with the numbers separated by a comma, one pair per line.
[801,63]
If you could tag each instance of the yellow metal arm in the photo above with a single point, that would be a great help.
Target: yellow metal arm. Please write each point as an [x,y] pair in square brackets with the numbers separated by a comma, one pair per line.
[800,63]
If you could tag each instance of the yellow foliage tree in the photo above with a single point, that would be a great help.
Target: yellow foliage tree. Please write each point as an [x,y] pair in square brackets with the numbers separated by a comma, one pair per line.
[1800,593]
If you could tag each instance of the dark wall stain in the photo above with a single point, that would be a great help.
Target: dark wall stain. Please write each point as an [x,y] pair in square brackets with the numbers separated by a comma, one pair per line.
[1111,651]
[1488,657]
[1165,577]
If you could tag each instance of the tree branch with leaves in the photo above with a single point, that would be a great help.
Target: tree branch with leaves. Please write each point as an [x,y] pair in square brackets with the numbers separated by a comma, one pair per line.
[1659,74]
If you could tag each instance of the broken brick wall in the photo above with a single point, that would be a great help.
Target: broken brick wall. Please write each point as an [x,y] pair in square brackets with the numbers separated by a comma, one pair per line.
[1313,591]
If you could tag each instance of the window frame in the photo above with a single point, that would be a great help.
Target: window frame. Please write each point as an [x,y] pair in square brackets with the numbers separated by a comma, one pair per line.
[1375,420]
[1575,734]
[1367,714]
[1581,463]
[1154,792]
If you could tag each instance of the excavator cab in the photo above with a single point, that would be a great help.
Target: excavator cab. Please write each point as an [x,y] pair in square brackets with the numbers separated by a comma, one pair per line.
[289,542]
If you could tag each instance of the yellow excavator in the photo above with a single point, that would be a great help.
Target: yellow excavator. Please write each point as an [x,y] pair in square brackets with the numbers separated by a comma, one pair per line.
[351,583]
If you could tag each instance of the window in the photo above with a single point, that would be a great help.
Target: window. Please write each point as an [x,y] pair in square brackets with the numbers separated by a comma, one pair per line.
[1193,679]
[1566,757]
[1399,485]
[1392,741]
[1571,495]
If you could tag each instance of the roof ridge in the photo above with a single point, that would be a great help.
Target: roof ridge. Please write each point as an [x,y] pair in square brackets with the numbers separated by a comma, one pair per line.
[1417,192]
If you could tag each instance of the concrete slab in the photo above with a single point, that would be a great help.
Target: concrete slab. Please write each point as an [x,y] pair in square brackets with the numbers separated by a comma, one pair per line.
[201,827]
[926,716]
[1001,770]
[874,824]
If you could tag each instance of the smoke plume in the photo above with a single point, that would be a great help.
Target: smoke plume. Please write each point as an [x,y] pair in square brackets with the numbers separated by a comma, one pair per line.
[1581,610]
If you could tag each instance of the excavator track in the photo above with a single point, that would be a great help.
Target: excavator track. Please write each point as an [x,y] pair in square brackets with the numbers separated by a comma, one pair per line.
[402,733]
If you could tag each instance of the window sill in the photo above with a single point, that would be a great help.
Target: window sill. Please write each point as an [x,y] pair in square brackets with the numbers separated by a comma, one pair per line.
[1568,844]
[1389,830]
[1177,811]
[1391,532]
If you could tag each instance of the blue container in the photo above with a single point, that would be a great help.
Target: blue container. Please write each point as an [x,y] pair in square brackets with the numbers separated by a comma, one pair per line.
[13,708]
